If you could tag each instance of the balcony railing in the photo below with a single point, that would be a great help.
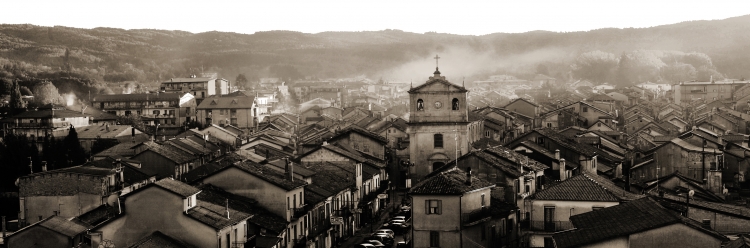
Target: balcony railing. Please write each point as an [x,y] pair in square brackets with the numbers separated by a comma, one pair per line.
[374,194]
[300,241]
[551,226]
[43,124]
[321,228]
[476,216]
[238,244]
[299,212]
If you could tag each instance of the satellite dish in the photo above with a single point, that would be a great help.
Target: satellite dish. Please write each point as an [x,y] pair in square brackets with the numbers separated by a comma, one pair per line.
[691,193]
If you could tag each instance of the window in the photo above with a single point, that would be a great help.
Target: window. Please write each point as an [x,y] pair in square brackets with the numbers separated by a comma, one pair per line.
[434,239]
[438,139]
[420,105]
[482,200]
[433,206]
[487,134]
[540,140]
[585,109]
[190,201]
[527,188]
[599,124]
[455,104]
[549,124]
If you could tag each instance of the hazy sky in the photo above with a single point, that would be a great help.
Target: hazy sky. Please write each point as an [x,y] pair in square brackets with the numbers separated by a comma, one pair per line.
[311,16]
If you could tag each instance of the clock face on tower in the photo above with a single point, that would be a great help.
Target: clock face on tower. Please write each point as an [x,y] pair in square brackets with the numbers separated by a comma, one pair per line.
[438,104]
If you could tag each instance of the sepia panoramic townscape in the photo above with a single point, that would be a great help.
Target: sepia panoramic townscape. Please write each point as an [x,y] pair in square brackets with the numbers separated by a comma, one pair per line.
[604,135]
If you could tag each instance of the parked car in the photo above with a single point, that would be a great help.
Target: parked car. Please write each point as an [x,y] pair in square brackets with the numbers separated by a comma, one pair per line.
[376,243]
[400,217]
[398,223]
[383,238]
[402,244]
[388,232]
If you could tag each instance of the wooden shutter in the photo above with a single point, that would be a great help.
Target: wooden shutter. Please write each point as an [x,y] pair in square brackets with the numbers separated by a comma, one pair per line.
[426,206]
[440,207]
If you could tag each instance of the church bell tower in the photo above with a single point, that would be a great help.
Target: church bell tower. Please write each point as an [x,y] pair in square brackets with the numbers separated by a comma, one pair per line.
[438,119]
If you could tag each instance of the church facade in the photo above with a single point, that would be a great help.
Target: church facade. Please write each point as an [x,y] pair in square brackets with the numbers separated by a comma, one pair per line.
[438,124]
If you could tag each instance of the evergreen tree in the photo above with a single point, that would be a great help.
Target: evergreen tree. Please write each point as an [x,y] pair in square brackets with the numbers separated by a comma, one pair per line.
[75,153]
[15,97]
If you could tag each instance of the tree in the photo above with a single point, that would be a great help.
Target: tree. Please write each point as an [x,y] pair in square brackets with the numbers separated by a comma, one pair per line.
[46,93]
[75,152]
[132,120]
[66,60]
[542,69]
[6,86]
[596,66]
[15,97]
[241,79]
[25,91]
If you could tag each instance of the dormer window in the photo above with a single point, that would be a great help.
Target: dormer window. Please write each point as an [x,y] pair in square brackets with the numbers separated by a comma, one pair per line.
[190,202]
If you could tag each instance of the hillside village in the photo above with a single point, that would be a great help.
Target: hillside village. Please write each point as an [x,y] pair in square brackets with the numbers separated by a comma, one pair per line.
[499,162]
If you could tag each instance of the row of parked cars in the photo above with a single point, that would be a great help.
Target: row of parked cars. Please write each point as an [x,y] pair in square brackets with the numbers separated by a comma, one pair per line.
[385,237]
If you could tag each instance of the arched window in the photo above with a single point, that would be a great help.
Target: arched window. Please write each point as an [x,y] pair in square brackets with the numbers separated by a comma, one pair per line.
[438,140]
[455,104]
[420,105]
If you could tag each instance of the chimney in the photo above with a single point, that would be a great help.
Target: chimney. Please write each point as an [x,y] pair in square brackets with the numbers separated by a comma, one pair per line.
[563,173]
[107,127]
[468,176]
[227,208]
[557,154]
[289,169]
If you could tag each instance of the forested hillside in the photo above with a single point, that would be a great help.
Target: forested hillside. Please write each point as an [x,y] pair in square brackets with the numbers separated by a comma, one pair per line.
[83,59]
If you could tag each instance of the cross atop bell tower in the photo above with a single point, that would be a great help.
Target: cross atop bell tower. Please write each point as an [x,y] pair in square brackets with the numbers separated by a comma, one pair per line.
[437,72]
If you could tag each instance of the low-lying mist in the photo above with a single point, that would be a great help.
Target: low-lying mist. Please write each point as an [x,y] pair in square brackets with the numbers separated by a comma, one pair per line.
[459,62]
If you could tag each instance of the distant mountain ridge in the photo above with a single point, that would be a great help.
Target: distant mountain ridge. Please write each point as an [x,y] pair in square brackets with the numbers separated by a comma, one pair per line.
[153,55]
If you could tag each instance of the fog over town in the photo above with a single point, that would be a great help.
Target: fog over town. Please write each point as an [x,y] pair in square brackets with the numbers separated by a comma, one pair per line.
[577,126]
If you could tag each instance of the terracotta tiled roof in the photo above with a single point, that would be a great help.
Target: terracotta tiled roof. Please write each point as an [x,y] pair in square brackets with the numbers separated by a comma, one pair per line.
[258,215]
[270,175]
[585,187]
[177,187]
[138,97]
[159,240]
[172,153]
[622,220]
[450,182]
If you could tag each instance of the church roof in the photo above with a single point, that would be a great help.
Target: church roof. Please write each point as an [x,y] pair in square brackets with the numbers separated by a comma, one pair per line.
[437,79]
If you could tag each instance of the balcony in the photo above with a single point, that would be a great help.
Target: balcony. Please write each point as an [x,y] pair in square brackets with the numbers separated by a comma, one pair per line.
[238,244]
[374,194]
[43,125]
[551,226]
[476,216]
[321,228]
[298,212]
[300,241]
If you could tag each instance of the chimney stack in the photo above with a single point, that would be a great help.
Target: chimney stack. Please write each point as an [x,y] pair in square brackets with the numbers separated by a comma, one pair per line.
[557,154]
[468,176]
[227,208]
[289,169]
